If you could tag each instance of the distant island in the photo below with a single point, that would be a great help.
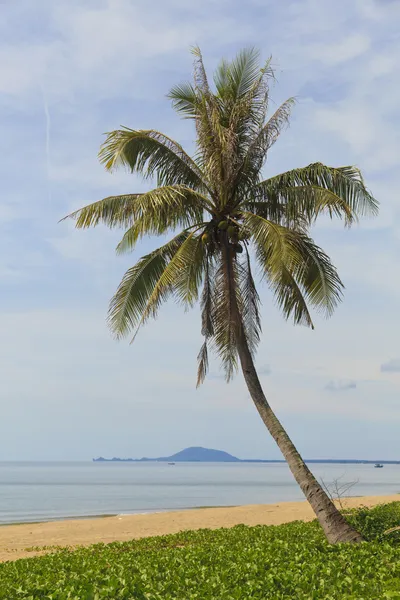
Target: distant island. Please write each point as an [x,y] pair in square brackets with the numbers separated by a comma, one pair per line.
[199,454]
[193,454]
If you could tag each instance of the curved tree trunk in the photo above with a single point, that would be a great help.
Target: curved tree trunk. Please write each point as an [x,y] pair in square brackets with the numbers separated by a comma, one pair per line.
[332,522]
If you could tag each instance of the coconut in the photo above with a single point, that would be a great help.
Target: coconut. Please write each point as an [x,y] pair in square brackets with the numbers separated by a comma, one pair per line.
[231,231]
[223,225]
[205,237]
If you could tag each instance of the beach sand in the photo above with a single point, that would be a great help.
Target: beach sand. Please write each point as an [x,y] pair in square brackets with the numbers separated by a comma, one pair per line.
[20,541]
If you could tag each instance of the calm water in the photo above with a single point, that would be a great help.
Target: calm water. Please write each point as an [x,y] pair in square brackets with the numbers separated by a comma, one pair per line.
[43,491]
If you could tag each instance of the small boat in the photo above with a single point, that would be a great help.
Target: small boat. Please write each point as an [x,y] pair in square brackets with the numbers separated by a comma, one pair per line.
[171,463]
[378,466]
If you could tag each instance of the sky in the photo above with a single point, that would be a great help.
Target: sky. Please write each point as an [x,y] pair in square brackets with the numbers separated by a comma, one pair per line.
[72,70]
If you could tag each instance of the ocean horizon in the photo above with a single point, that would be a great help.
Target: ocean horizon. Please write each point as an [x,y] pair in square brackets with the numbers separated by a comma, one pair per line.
[53,490]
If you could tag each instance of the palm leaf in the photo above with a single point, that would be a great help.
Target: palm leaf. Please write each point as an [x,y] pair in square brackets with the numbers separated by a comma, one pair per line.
[188,280]
[255,147]
[283,245]
[200,76]
[224,318]
[318,188]
[185,100]
[207,300]
[179,277]
[268,134]
[285,254]
[243,72]
[202,359]
[221,78]
[161,209]
[207,329]
[132,296]
[249,303]
[114,211]
[150,153]
[213,140]
[290,299]
[288,295]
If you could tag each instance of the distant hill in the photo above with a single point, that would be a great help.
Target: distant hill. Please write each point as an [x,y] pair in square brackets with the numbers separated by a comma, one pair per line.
[193,454]
[199,454]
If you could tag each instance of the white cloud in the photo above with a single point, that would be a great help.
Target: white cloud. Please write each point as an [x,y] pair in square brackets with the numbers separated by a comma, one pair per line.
[379,10]
[391,366]
[98,48]
[382,64]
[340,386]
[22,68]
[353,124]
[351,46]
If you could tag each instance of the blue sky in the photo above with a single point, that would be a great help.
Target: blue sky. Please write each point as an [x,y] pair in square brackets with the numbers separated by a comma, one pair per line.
[69,71]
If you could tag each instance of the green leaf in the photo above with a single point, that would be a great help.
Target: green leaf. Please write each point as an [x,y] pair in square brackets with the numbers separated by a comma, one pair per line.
[163,209]
[316,189]
[151,153]
[132,296]
[295,268]
[114,211]
[185,100]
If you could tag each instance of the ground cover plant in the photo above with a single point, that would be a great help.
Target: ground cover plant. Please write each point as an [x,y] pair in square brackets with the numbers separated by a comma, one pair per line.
[288,561]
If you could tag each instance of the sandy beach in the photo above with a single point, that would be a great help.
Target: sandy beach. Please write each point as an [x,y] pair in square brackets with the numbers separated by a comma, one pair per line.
[19,541]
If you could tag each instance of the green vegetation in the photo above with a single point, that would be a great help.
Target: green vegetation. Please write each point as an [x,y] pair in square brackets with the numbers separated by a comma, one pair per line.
[292,561]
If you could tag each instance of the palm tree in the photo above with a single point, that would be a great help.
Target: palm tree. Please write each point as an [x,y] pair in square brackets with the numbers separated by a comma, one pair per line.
[224,216]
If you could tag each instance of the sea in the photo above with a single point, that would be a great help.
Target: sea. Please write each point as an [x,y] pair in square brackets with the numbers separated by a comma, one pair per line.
[43,491]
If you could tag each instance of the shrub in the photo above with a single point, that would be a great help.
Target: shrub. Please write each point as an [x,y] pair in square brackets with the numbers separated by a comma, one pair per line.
[374,522]
[290,561]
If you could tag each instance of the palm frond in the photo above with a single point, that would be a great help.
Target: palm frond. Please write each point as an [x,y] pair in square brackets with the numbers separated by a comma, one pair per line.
[151,153]
[249,303]
[273,209]
[288,295]
[225,325]
[243,72]
[161,209]
[290,299]
[213,138]
[114,211]
[207,301]
[317,188]
[200,75]
[319,279]
[221,77]
[256,144]
[178,277]
[185,100]
[202,359]
[268,134]
[207,328]
[241,110]
[283,254]
[131,298]
[281,243]
[188,280]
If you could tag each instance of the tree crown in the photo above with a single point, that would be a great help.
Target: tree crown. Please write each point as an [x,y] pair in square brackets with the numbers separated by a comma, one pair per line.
[223,214]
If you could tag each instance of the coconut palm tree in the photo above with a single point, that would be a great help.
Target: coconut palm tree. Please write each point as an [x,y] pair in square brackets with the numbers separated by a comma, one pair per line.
[224,216]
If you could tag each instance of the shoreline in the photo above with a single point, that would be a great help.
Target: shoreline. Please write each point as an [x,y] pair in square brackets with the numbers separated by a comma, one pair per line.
[107,515]
[25,540]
